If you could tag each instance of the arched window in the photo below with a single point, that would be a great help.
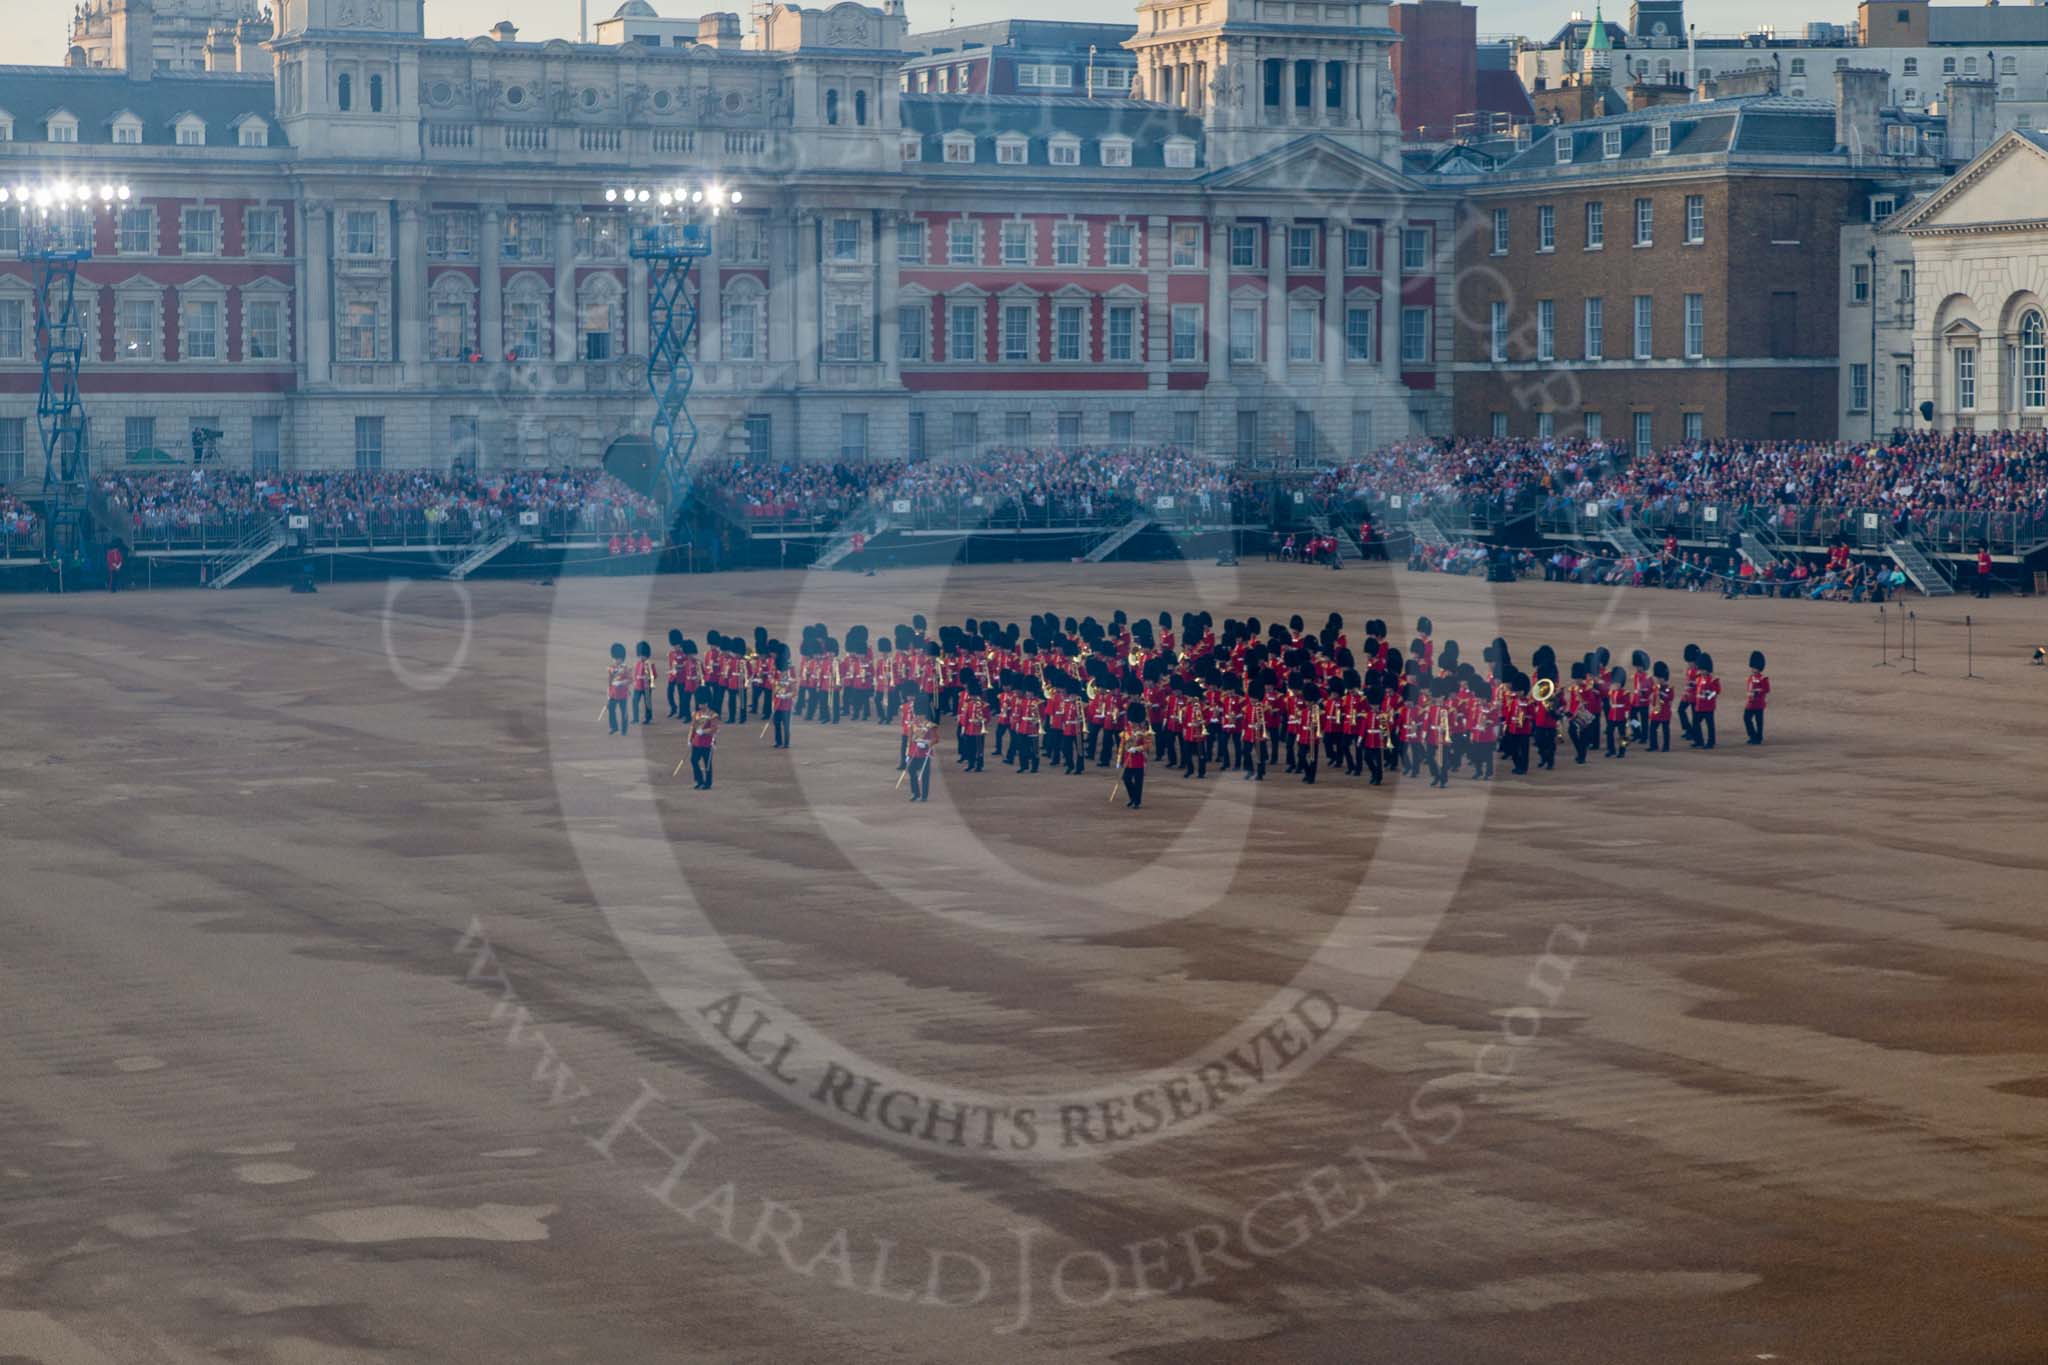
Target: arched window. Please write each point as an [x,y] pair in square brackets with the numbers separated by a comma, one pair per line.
[529,322]
[832,106]
[376,94]
[2033,360]
[742,331]
[451,318]
[860,108]
[344,91]
[600,319]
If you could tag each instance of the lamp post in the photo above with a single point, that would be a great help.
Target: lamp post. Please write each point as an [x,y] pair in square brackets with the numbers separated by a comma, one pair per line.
[58,220]
[669,227]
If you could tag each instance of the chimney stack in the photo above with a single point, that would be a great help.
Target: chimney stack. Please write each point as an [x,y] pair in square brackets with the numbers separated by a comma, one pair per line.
[1859,103]
[220,48]
[134,37]
[252,55]
[1972,118]
[719,30]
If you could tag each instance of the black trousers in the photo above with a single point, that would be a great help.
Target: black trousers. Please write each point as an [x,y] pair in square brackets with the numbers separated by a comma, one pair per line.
[615,716]
[1703,729]
[1025,750]
[1660,735]
[1546,751]
[1753,724]
[700,766]
[1194,759]
[1372,764]
[1686,719]
[643,706]
[1519,753]
[1617,733]
[971,747]
[735,705]
[1134,786]
[921,778]
[781,729]
[1582,740]
[677,698]
[1482,758]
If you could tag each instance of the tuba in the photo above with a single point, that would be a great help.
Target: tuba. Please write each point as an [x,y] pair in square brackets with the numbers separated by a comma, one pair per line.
[1544,690]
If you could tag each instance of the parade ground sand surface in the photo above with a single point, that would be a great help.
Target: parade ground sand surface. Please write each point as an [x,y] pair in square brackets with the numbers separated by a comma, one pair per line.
[361,1004]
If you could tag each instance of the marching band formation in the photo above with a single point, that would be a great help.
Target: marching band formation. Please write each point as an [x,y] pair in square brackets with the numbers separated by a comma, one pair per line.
[1132,694]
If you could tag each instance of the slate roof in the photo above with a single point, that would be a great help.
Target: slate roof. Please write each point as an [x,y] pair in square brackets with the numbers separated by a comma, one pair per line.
[1147,124]
[30,93]
[1764,125]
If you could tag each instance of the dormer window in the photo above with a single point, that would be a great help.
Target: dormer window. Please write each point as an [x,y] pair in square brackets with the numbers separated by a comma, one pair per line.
[6,126]
[1064,150]
[126,129]
[254,132]
[190,130]
[912,149]
[62,126]
[1660,139]
[1610,143]
[960,147]
[1116,151]
[1180,153]
[1883,206]
[1012,149]
[1564,149]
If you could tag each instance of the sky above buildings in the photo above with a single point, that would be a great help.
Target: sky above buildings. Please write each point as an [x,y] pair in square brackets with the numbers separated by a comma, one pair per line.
[35,29]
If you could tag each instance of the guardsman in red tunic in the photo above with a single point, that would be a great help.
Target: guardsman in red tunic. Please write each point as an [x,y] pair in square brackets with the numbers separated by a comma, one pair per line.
[644,675]
[884,681]
[1661,695]
[618,681]
[1194,738]
[1518,721]
[680,674]
[973,724]
[782,690]
[1542,721]
[1639,689]
[1134,746]
[922,740]
[1706,697]
[1070,733]
[1759,696]
[703,739]
[1484,737]
[1252,718]
[1688,725]
[906,716]
[1025,727]
[1617,700]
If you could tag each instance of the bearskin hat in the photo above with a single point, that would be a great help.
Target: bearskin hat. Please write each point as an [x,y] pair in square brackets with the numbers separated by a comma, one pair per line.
[618,651]
[1756,660]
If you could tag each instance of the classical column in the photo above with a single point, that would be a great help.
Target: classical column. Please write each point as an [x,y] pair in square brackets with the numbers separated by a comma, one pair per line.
[710,299]
[491,287]
[565,285]
[638,339]
[1319,90]
[318,322]
[1333,304]
[1219,301]
[890,271]
[782,287]
[1390,299]
[412,294]
[1276,301]
[1158,341]
[808,283]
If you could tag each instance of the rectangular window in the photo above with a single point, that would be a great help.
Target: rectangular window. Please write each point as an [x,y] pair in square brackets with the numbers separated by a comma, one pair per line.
[1121,343]
[742,332]
[13,331]
[138,232]
[846,239]
[1187,245]
[1695,326]
[1695,219]
[1186,427]
[199,232]
[849,331]
[1061,151]
[1304,320]
[1244,247]
[1187,332]
[910,243]
[1695,426]
[760,435]
[1415,338]
[138,434]
[1644,335]
[966,434]
[1546,425]
[1596,225]
[1859,284]
[1595,426]
[1358,334]
[1546,227]
[369,443]
[1415,249]
[1067,322]
[1966,378]
[1016,243]
[600,237]
[1066,428]
[1115,152]
[1247,433]
[1500,426]
[10,229]
[359,234]
[1121,247]
[960,150]
[910,333]
[1068,244]
[135,329]
[265,340]
[1017,319]
[1032,76]
[448,329]
[1120,427]
[1011,151]
[1564,148]
[1358,249]
[359,329]
[1500,232]
[1301,248]
[1859,388]
[853,436]
[1596,329]
[594,327]
[1905,395]
[1646,221]
[749,240]
[1644,431]
[1610,143]
[263,232]
[1546,329]
[266,443]
[1497,332]
[1244,333]
[1660,139]
[963,332]
[1017,428]
[961,243]
[199,330]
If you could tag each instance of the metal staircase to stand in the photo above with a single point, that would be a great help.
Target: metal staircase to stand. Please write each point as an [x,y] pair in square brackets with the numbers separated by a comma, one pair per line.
[868,524]
[260,544]
[485,552]
[1117,539]
[1920,568]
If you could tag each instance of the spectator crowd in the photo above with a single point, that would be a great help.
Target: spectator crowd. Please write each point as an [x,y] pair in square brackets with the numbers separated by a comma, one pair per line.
[21,532]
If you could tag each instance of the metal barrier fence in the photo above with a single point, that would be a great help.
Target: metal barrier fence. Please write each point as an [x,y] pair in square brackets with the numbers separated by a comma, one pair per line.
[382,529]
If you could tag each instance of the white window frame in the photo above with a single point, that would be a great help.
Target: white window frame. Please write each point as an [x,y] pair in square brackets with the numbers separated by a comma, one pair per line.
[1063,149]
[1546,329]
[1546,227]
[1069,333]
[1015,242]
[1186,338]
[1120,333]
[1643,326]
[1596,225]
[1304,328]
[1115,151]
[1185,249]
[913,330]
[1610,144]
[1246,333]
[959,149]
[1660,139]
[192,239]
[1120,245]
[1645,221]
[1012,150]
[1361,333]
[1695,326]
[963,241]
[1595,328]
[190,302]
[1417,327]
[1695,219]
[1497,331]
[1501,221]
[963,344]
[1019,326]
